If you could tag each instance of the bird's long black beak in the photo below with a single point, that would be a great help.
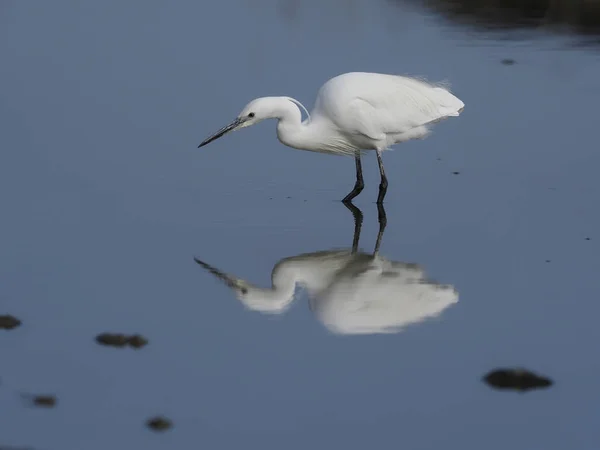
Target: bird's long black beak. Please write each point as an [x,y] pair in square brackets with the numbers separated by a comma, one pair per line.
[228,280]
[226,129]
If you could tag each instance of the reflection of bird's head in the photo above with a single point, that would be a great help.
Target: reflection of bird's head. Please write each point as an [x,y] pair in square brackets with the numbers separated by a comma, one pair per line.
[350,293]
[238,285]
[253,297]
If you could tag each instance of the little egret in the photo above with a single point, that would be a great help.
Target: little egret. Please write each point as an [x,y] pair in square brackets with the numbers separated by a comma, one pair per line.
[354,112]
[350,292]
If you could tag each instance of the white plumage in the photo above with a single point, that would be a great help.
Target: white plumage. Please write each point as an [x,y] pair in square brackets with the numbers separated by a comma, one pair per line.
[349,293]
[375,111]
[354,112]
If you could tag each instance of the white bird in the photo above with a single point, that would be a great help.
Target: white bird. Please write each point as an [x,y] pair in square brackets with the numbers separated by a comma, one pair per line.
[350,292]
[354,112]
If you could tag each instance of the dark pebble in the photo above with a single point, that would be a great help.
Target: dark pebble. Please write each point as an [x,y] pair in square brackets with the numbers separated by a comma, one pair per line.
[547,260]
[137,341]
[112,339]
[588,239]
[508,61]
[46,401]
[8,322]
[159,423]
[456,173]
[121,340]
[516,379]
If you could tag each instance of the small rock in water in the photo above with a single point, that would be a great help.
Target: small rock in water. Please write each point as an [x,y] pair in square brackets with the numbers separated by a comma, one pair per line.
[137,341]
[159,423]
[121,340]
[508,61]
[588,239]
[456,173]
[516,379]
[46,401]
[112,339]
[8,322]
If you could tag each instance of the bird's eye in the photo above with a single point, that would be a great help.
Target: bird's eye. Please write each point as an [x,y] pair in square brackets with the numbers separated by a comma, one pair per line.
[250,114]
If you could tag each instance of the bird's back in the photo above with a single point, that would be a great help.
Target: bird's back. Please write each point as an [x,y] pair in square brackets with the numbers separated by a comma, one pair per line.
[374,104]
[382,297]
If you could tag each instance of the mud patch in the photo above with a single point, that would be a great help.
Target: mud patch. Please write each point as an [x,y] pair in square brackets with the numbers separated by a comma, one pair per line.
[120,340]
[42,401]
[8,322]
[516,379]
[159,423]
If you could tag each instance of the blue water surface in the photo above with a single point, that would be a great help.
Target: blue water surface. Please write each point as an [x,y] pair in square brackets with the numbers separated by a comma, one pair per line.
[106,200]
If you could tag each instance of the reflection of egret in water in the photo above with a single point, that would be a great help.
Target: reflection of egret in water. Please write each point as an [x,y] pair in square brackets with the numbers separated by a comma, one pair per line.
[350,292]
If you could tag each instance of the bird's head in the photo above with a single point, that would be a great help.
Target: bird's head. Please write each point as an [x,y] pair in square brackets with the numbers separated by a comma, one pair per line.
[267,300]
[239,286]
[254,112]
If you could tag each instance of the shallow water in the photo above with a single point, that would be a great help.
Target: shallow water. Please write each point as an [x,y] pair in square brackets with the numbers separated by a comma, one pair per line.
[106,201]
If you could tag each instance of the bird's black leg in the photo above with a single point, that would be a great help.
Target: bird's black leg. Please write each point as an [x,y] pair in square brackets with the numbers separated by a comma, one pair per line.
[360,184]
[358,220]
[384,183]
[382,224]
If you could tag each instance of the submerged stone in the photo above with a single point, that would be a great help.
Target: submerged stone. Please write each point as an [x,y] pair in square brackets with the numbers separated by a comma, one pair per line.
[8,322]
[159,423]
[45,401]
[121,340]
[516,379]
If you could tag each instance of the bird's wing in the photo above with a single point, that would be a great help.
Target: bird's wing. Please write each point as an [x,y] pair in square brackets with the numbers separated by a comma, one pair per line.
[395,105]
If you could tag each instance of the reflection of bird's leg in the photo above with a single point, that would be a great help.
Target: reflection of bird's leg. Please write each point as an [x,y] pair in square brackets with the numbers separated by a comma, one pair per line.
[384,183]
[358,219]
[382,224]
[360,184]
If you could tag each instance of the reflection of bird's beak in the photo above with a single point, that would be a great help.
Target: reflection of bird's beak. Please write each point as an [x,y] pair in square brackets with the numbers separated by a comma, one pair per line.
[230,281]
[226,129]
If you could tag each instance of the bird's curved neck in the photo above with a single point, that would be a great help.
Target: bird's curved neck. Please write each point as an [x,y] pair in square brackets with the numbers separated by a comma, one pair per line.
[291,131]
[275,299]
